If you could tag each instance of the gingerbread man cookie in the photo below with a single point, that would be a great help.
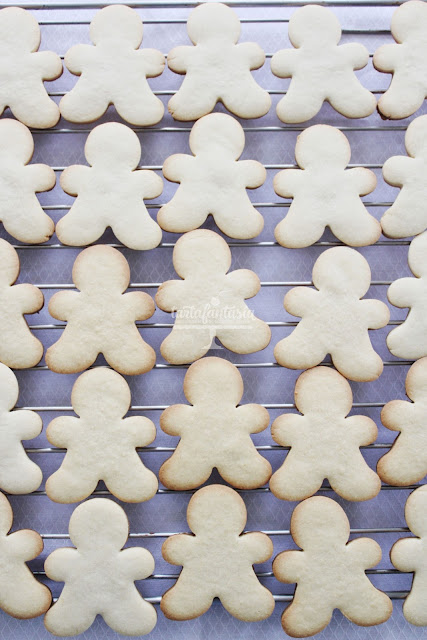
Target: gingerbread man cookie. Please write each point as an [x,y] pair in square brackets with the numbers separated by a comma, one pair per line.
[110,192]
[409,341]
[114,71]
[101,398]
[99,574]
[408,214]
[23,70]
[324,193]
[324,443]
[217,68]
[21,595]
[213,181]
[406,462]
[329,571]
[217,561]
[20,211]
[406,60]
[19,349]
[320,69]
[18,474]
[101,317]
[214,431]
[209,302]
[410,555]
[334,318]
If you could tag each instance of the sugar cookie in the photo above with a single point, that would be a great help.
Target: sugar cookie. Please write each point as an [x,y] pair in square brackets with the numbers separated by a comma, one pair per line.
[113,71]
[20,211]
[324,193]
[99,574]
[406,462]
[409,341]
[213,181]
[214,431]
[406,60]
[18,474]
[101,398]
[320,69]
[329,571]
[410,555]
[23,69]
[217,68]
[217,561]
[408,214]
[110,192]
[19,349]
[208,301]
[21,595]
[101,317]
[334,318]
[324,443]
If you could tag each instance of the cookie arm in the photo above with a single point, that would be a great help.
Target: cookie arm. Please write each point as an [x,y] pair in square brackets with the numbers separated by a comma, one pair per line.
[179,59]
[375,313]
[397,170]
[30,298]
[300,300]
[252,418]
[150,184]
[253,173]
[140,304]
[386,57]
[283,63]
[25,544]
[177,167]
[153,61]
[404,554]
[259,546]
[59,430]
[26,424]
[354,53]
[175,419]
[48,63]
[136,563]
[368,551]
[171,295]
[251,53]
[40,176]
[60,562]
[286,427]
[288,566]
[78,56]
[178,548]
[364,179]
[286,182]
[72,178]
[403,292]
[62,304]
[362,428]
[139,430]
[244,282]
[396,414]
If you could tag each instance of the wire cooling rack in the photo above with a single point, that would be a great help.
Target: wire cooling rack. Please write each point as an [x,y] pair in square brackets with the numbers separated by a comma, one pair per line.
[49,267]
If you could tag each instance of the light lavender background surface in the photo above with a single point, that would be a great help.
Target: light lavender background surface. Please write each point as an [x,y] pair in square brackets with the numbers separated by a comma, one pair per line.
[274,385]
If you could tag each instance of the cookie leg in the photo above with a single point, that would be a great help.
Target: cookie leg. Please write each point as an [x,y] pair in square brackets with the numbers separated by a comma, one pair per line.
[68,617]
[365,229]
[24,350]
[131,481]
[187,599]
[138,230]
[191,101]
[296,479]
[140,108]
[34,108]
[297,106]
[77,229]
[360,483]
[237,218]
[38,226]
[253,102]
[130,355]
[294,231]
[83,103]
[403,465]
[131,616]
[247,600]
[186,344]
[65,356]
[185,212]
[403,98]
[187,468]
[246,338]
[307,616]
[30,475]
[353,100]
[65,486]
[358,362]
[244,467]
[369,605]
[299,350]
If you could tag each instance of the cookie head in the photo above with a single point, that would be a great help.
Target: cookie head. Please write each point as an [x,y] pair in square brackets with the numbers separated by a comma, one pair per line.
[9,264]
[342,271]
[101,267]
[213,380]
[19,31]
[201,252]
[117,23]
[113,145]
[6,515]
[416,138]
[314,24]
[98,524]
[322,145]
[213,21]
[100,392]
[15,141]
[410,21]
[216,507]
[416,511]
[313,520]
[217,131]
[417,255]
[323,390]
[8,389]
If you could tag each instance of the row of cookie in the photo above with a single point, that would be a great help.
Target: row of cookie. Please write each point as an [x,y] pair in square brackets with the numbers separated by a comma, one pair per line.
[215,433]
[111,191]
[217,561]
[207,302]
[114,69]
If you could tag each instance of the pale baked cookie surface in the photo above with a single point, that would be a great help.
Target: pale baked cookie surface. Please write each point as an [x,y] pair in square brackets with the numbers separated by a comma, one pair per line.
[99,574]
[408,214]
[217,68]
[324,443]
[329,571]
[410,555]
[214,431]
[409,341]
[19,349]
[20,211]
[113,71]
[213,181]
[100,317]
[21,595]
[334,319]
[110,192]
[208,301]
[406,60]
[101,398]
[217,561]
[406,462]
[320,69]
[324,193]
[23,69]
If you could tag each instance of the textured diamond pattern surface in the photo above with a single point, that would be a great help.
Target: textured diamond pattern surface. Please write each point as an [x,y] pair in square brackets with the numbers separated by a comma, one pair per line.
[166,512]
